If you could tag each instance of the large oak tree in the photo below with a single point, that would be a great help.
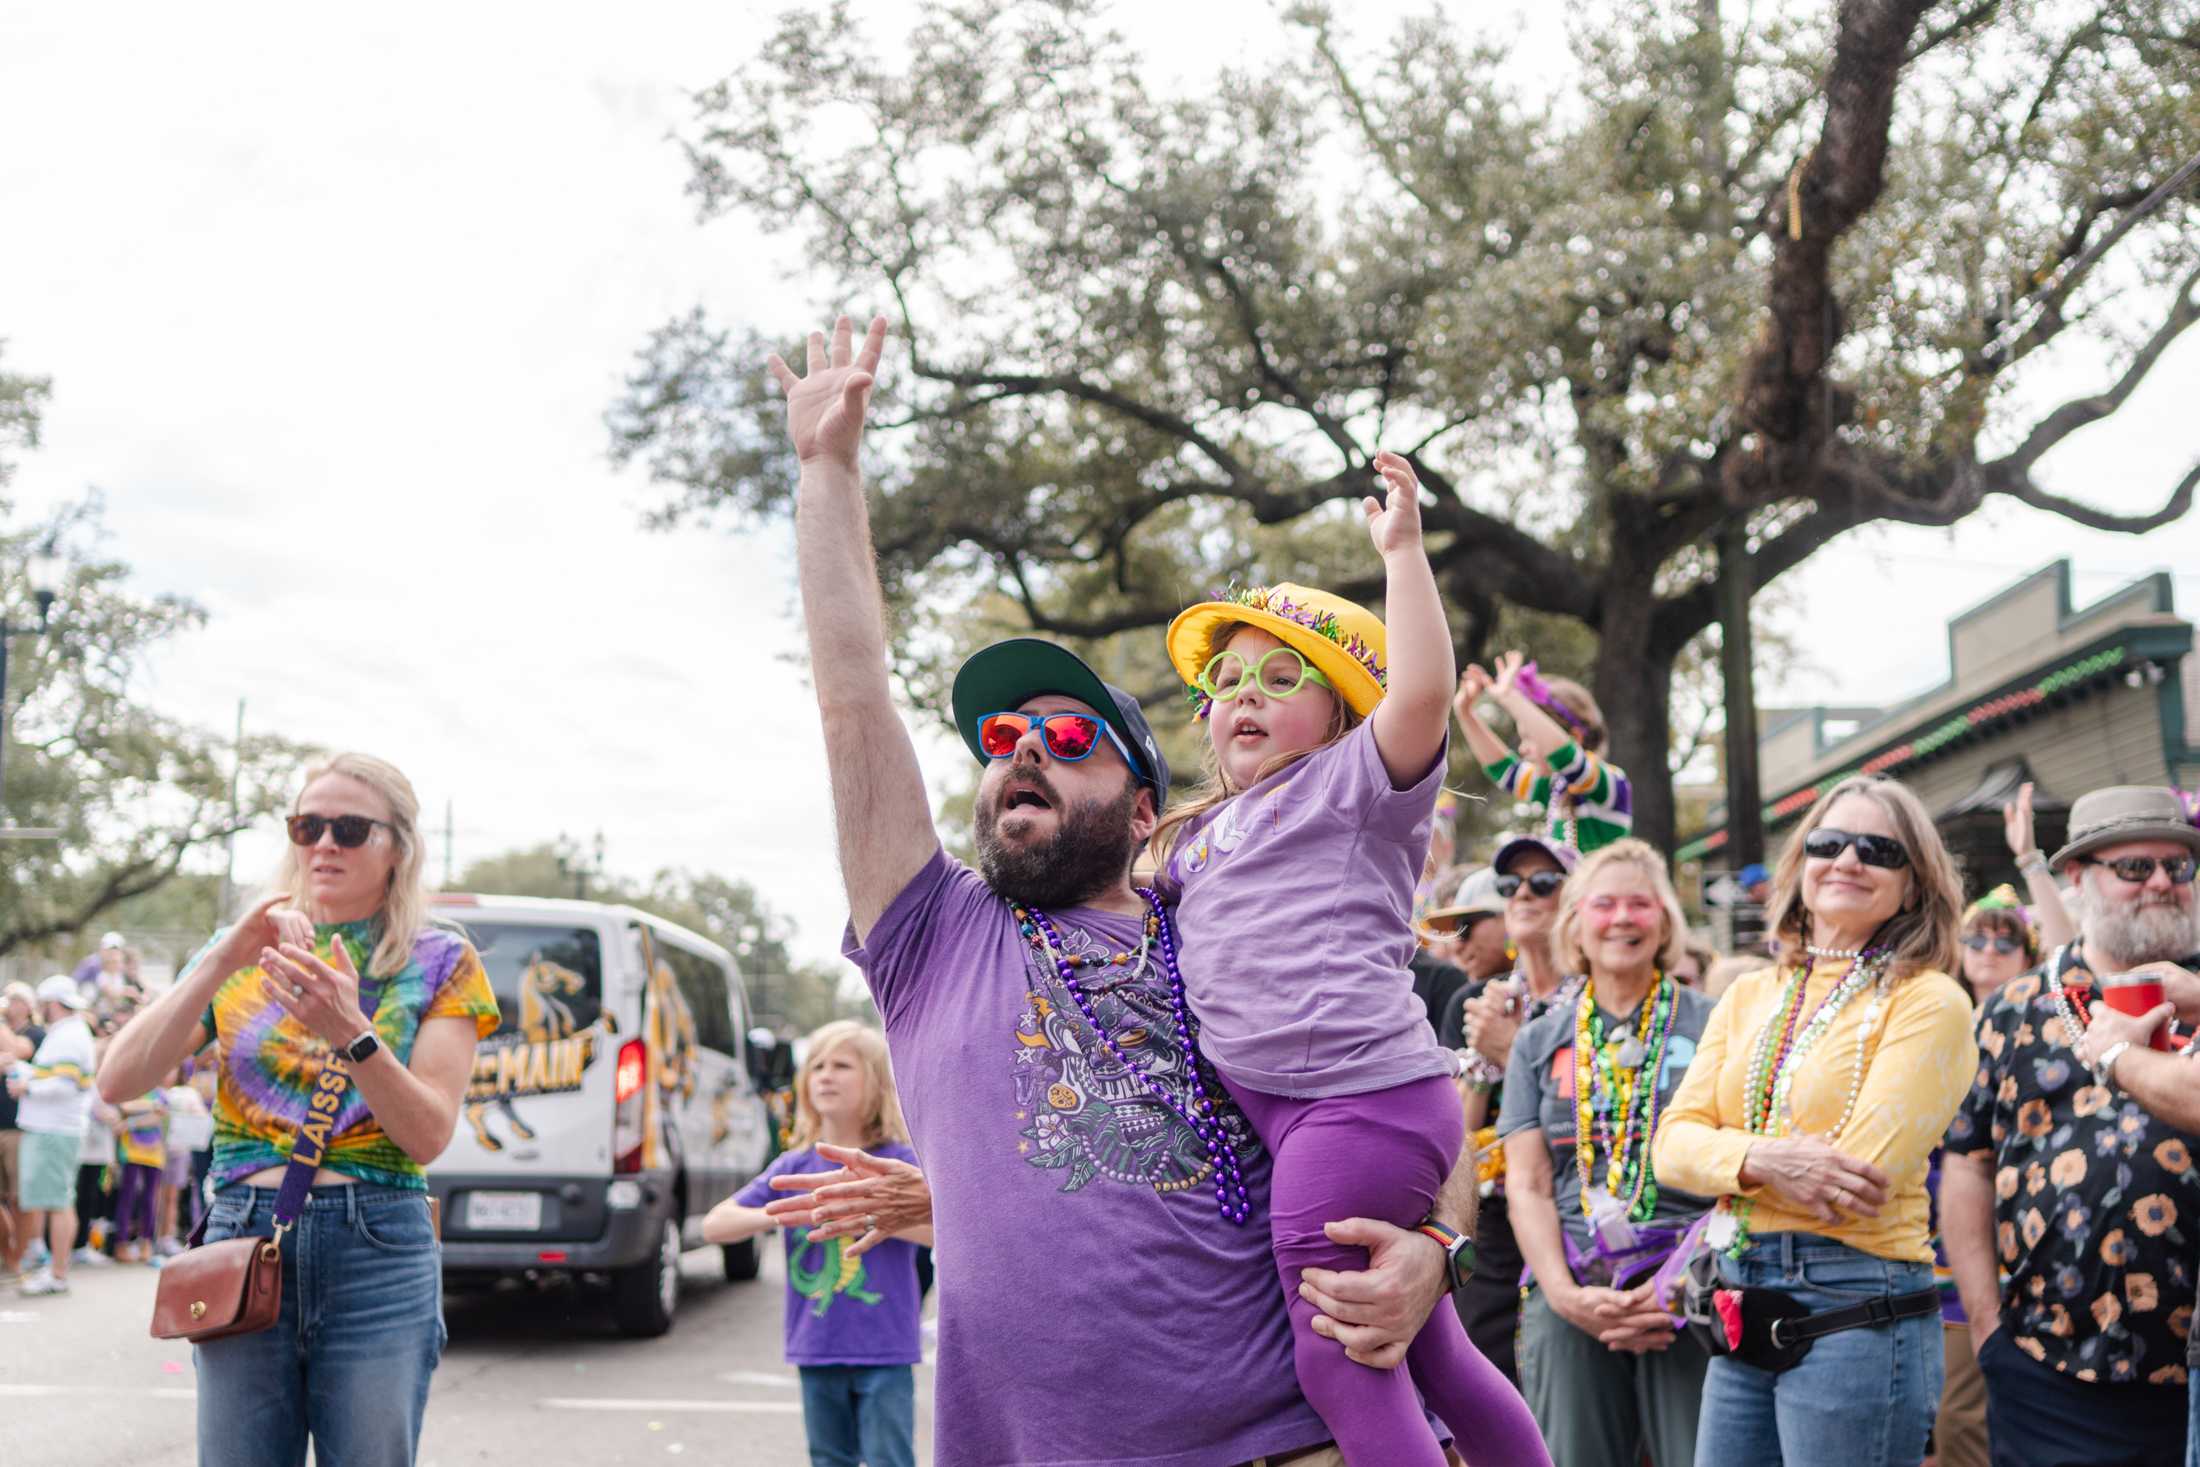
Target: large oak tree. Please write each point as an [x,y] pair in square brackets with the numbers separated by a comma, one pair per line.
[1787,267]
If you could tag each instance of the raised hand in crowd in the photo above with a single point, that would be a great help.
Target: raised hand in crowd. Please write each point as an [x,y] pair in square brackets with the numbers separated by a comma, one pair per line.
[2017,828]
[1493,1020]
[825,408]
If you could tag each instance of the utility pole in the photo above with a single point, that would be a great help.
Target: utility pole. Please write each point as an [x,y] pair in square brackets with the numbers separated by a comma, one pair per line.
[229,845]
[449,823]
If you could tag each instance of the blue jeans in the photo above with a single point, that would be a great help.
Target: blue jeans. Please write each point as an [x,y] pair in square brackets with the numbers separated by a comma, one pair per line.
[2192,1427]
[347,1362]
[860,1414]
[1861,1398]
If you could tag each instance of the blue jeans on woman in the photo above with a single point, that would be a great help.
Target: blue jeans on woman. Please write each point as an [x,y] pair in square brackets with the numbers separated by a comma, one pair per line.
[1860,1398]
[860,1414]
[347,1362]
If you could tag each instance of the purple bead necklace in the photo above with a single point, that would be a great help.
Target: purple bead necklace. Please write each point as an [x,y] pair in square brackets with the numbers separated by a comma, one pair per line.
[1040,932]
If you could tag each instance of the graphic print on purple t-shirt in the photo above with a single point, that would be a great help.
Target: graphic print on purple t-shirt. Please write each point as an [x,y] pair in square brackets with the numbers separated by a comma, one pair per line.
[1085,1113]
[1094,1308]
[842,1310]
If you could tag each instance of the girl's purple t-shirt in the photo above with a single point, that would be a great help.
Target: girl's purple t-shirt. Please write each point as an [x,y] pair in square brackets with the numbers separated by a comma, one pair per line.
[842,1310]
[1295,900]
[1095,1308]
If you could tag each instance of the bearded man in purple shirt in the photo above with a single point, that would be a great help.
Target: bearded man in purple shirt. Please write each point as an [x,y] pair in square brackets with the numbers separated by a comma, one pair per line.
[1107,1292]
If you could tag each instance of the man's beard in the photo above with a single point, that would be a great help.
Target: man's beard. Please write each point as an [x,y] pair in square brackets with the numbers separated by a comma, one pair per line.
[2142,930]
[1090,850]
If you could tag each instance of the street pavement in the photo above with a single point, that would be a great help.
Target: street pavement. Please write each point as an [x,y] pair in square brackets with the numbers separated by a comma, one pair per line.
[530,1377]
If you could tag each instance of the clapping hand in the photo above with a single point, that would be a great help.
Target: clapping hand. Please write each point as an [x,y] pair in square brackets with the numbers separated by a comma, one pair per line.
[868,1198]
[324,996]
[825,409]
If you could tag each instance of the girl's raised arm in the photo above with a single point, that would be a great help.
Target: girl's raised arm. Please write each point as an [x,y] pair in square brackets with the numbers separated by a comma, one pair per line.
[1409,722]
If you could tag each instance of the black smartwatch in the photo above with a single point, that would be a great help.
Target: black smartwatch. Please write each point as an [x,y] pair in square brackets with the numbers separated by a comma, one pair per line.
[362,1049]
[1458,1249]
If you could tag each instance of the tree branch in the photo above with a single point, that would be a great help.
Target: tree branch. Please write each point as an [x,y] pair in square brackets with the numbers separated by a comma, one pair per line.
[2081,412]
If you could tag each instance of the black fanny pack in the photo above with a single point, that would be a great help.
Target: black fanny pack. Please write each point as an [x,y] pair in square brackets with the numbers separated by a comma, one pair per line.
[1772,1330]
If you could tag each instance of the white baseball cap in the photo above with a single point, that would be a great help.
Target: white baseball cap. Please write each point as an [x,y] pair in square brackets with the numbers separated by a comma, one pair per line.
[112,939]
[61,989]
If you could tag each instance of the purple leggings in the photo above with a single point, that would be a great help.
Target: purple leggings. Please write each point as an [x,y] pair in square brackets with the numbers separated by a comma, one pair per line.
[136,1210]
[1381,1155]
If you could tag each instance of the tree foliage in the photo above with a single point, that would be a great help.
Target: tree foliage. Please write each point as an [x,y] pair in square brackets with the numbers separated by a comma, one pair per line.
[1788,267]
[134,793]
[791,996]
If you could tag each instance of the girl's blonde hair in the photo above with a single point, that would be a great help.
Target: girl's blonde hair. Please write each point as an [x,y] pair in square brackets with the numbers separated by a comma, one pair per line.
[881,1118]
[1566,927]
[1214,784]
[1922,933]
[405,900]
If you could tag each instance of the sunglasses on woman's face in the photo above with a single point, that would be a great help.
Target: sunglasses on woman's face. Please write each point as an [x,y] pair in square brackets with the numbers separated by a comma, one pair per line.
[1884,851]
[1541,883]
[1979,942]
[351,831]
[1069,737]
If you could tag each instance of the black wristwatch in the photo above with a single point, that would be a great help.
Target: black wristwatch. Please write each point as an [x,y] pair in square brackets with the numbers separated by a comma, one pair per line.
[362,1049]
[1458,1249]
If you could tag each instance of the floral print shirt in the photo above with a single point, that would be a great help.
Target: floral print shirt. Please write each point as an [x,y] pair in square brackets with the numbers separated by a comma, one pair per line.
[2095,1200]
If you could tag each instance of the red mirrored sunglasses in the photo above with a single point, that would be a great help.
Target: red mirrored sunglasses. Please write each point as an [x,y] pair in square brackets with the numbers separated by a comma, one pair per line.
[1068,737]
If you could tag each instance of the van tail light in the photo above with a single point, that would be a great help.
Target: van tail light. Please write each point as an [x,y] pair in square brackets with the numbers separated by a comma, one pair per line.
[628,1080]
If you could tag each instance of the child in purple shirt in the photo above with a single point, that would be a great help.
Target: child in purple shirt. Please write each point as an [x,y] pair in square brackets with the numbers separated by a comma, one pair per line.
[851,1326]
[1294,872]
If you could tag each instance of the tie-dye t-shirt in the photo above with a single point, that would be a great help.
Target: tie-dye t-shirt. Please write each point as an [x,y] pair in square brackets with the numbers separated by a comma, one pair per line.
[269,1059]
[145,1132]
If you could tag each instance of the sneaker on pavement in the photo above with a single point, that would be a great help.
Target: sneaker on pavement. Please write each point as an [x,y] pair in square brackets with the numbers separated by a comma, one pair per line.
[91,1258]
[45,1283]
[168,1247]
[35,1257]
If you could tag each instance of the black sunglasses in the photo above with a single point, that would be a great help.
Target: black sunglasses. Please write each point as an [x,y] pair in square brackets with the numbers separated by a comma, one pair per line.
[2138,869]
[1979,942]
[1542,883]
[351,831]
[1884,851]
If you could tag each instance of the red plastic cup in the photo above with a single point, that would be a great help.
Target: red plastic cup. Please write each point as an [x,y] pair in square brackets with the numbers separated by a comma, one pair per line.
[2137,994]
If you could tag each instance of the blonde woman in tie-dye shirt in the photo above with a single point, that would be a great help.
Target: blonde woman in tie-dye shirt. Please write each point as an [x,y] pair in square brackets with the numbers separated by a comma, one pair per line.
[338,966]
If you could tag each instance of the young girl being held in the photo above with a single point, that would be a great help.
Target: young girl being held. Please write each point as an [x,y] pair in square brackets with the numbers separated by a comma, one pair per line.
[1294,872]
[852,1322]
[1559,766]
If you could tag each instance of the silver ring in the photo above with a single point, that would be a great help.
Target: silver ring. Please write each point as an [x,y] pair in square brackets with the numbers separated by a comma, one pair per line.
[297,990]
[870,1222]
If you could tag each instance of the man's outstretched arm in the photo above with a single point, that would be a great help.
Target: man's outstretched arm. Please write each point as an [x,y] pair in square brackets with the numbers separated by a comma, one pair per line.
[880,813]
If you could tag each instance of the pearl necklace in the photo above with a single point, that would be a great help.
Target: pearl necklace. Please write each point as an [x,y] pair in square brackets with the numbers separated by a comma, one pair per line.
[1040,932]
[2073,1019]
[1776,1062]
[1838,953]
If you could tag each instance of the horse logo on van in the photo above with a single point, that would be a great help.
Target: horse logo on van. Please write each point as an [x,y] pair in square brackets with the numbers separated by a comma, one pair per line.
[547,1054]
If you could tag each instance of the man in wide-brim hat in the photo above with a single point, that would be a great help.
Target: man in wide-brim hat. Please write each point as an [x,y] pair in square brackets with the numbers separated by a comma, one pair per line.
[2057,1182]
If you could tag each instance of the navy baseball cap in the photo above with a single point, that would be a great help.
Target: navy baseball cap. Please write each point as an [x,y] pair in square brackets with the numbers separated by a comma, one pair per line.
[1003,677]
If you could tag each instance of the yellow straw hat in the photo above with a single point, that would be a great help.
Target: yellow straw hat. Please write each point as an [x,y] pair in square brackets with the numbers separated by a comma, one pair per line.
[1342,640]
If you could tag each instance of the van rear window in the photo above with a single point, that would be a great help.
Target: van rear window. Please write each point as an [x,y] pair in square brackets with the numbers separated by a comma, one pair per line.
[548,979]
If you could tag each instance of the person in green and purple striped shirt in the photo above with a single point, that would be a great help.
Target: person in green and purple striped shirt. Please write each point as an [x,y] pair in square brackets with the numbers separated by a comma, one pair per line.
[1586,797]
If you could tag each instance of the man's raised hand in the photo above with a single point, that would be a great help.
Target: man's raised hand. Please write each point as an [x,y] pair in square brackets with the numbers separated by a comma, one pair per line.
[825,408]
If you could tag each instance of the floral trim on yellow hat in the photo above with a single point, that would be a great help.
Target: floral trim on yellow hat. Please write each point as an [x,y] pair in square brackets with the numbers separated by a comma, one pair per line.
[1323,624]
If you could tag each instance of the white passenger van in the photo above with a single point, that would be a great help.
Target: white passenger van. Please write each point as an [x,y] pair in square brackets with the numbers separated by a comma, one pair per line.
[612,1108]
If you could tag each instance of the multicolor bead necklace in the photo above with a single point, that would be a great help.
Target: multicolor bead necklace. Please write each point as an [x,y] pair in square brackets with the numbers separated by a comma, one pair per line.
[1782,1045]
[1631,1096]
[1039,930]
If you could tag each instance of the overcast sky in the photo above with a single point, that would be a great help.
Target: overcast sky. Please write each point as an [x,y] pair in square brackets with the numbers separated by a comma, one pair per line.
[333,302]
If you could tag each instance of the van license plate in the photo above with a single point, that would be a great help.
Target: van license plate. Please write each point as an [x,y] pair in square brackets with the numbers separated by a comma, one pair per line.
[507,1212]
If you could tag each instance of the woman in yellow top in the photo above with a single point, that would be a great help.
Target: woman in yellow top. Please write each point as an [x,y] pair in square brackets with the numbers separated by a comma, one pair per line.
[1821,1087]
